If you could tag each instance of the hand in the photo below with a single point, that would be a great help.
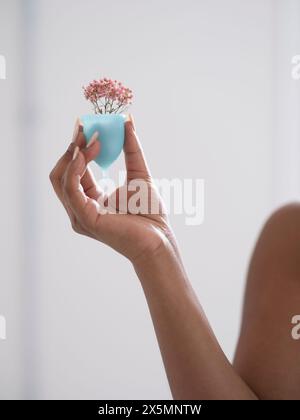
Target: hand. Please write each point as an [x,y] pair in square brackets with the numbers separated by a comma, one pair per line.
[133,235]
[181,328]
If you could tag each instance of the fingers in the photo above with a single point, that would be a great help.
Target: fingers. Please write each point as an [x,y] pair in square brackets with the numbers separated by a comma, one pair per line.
[134,158]
[92,149]
[87,181]
[72,190]
[84,208]
[60,167]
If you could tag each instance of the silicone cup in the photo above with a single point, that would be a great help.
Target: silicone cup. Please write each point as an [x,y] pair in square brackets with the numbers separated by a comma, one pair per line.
[111,129]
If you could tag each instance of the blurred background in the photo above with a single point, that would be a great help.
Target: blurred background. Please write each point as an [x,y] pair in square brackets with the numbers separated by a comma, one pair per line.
[214,99]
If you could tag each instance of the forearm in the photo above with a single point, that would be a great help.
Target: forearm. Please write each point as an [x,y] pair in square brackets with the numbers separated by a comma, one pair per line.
[195,364]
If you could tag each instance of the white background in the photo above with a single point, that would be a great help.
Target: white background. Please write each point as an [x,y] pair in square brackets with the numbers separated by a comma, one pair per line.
[214,99]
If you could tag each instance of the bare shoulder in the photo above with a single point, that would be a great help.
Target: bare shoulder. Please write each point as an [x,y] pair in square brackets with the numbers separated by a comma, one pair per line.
[279,241]
[267,356]
[285,216]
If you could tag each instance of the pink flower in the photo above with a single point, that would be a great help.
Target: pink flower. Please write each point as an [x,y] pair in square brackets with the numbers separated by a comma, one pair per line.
[108,96]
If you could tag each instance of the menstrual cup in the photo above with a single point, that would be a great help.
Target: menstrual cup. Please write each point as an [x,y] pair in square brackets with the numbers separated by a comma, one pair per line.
[111,129]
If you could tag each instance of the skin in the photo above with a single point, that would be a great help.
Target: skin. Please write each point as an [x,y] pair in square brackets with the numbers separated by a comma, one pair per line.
[267,357]
[267,362]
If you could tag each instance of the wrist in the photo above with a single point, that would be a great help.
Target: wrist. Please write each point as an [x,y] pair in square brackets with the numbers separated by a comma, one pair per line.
[162,268]
[154,258]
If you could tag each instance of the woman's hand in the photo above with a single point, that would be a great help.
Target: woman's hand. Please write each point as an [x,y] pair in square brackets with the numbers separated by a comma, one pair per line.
[195,364]
[133,235]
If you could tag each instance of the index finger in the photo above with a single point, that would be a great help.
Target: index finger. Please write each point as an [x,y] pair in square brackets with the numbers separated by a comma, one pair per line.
[84,207]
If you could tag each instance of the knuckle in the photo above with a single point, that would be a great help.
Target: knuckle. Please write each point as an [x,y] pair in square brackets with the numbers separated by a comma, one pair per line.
[52,176]
[70,149]
[76,226]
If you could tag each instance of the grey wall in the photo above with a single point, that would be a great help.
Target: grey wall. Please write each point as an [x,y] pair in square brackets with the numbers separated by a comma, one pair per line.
[202,73]
[11,376]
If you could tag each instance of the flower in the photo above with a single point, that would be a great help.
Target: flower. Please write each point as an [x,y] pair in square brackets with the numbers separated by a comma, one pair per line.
[108,96]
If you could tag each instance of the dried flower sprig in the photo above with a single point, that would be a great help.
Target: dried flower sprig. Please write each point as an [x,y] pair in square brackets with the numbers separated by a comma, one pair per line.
[108,96]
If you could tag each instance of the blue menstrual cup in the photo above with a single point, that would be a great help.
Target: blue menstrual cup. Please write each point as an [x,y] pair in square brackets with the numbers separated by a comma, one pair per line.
[111,129]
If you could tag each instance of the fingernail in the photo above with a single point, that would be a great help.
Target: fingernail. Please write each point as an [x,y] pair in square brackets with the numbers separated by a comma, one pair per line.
[93,139]
[131,119]
[76,130]
[76,151]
